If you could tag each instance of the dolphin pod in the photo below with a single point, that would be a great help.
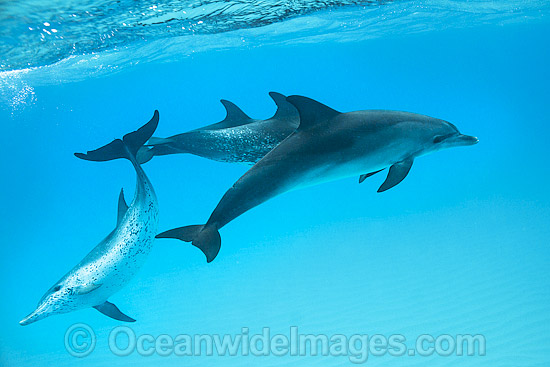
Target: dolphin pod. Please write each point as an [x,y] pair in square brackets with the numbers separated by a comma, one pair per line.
[327,145]
[116,259]
[305,143]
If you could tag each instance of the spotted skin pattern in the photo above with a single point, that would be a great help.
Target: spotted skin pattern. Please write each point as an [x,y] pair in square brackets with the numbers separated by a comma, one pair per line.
[240,144]
[237,139]
[112,263]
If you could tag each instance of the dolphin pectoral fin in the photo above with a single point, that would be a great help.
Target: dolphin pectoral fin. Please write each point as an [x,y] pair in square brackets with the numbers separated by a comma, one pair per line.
[205,238]
[367,175]
[145,154]
[122,207]
[311,112]
[85,289]
[109,309]
[153,140]
[397,173]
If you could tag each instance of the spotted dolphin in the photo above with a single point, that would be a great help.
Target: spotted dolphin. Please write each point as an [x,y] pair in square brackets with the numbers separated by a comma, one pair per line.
[116,259]
[236,139]
[326,146]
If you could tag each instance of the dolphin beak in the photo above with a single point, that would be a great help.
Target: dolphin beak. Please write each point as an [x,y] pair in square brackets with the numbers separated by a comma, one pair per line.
[28,320]
[34,316]
[462,140]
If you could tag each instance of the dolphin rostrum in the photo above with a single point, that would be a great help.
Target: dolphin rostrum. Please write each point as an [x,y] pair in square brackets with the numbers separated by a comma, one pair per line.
[236,139]
[327,145]
[116,259]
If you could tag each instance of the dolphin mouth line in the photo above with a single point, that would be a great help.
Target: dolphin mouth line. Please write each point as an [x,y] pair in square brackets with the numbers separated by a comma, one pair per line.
[462,139]
[30,319]
[26,321]
[42,311]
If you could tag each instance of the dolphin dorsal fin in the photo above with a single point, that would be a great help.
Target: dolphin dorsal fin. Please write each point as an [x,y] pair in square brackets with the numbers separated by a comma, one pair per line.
[234,115]
[311,112]
[122,207]
[285,110]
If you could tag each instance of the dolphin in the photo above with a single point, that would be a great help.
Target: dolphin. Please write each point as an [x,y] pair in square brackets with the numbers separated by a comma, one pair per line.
[116,259]
[326,146]
[236,139]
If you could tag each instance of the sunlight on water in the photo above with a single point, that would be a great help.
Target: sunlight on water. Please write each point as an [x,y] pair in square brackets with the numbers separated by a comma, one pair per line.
[99,40]
[34,35]
[43,32]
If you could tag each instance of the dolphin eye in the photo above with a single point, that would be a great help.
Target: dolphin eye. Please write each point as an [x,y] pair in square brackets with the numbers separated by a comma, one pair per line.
[56,288]
[440,138]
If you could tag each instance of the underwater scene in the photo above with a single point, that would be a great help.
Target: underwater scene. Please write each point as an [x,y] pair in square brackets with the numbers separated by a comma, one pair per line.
[275,183]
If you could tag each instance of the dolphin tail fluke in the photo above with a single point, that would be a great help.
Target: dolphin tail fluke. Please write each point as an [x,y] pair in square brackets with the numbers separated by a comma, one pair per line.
[128,147]
[206,238]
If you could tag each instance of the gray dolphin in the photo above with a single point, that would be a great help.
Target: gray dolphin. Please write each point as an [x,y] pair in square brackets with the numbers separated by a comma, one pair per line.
[327,145]
[236,139]
[116,259]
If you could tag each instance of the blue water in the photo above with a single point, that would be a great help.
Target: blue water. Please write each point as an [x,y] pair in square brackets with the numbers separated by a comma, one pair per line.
[459,247]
